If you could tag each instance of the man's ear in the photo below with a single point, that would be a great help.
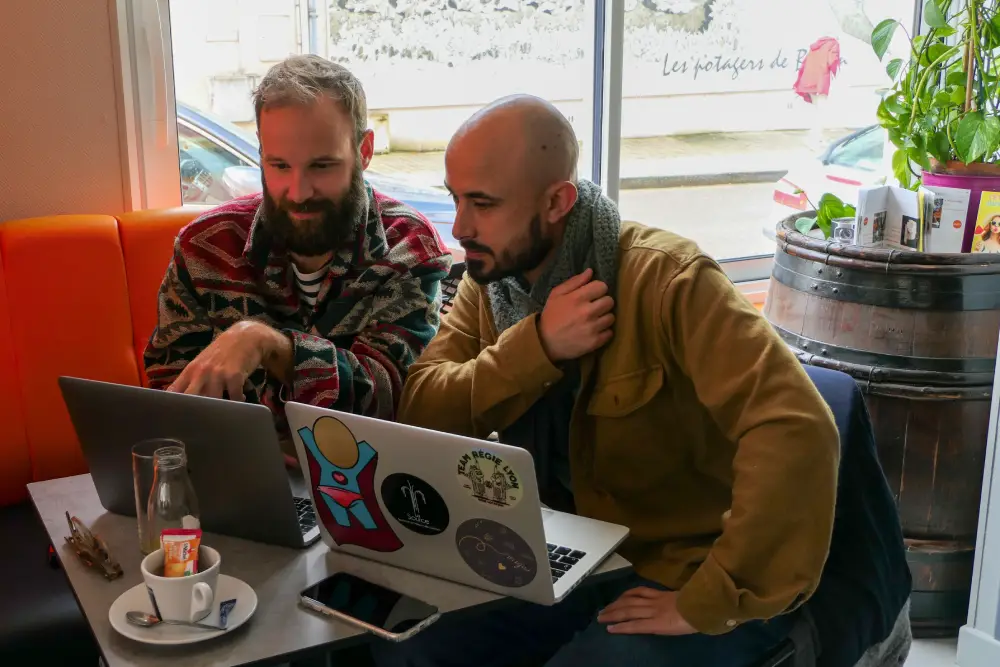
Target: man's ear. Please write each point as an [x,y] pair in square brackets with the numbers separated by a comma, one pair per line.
[367,148]
[561,198]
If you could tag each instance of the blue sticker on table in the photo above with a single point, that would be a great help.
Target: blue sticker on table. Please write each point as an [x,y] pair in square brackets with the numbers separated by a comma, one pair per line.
[225,608]
[496,553]
[415,504]
[489,479]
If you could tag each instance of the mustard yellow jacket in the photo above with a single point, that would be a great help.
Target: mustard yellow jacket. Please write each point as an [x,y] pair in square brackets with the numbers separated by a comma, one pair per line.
[695,427]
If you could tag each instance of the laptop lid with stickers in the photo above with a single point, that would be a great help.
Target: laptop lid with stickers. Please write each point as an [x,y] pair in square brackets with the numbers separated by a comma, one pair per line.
[458,508]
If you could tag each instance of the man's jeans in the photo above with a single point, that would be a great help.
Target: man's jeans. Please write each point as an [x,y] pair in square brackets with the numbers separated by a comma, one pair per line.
[568,635]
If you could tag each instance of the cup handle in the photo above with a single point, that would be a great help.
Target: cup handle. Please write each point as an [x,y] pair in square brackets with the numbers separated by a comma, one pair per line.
[201,601]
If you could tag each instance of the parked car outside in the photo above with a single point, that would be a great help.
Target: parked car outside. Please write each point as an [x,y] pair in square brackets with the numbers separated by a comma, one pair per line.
[842,169]
[220,161]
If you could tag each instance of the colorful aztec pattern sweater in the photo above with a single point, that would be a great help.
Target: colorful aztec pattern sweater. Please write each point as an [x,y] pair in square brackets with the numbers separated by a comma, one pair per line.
[377,309]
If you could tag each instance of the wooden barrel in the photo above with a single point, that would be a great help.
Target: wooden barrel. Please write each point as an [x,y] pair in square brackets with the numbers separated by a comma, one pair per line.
[918,331]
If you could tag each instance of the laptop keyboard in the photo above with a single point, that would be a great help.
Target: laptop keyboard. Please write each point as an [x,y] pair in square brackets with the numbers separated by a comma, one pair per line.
[449,288]
[561,559]
[307,517]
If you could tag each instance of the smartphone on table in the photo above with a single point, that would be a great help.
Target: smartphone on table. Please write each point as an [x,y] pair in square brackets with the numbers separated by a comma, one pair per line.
[383,612]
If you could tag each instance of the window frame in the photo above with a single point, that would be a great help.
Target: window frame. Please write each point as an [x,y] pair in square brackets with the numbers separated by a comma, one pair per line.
[149,136]
[148,128]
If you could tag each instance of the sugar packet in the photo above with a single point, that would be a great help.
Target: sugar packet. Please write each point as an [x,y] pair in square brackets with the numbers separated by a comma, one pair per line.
[180,551]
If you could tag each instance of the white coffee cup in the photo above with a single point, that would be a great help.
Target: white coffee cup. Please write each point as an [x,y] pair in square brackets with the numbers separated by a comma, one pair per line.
[187,598]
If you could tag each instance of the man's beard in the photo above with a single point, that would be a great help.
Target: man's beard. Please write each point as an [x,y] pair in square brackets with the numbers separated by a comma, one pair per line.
[528,255]
[326,233]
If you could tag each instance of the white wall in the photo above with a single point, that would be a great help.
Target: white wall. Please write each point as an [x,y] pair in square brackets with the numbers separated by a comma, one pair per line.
[59,126]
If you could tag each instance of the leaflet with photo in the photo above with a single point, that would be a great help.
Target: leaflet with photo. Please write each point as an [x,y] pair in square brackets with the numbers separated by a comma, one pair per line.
[924,221]
[987,234]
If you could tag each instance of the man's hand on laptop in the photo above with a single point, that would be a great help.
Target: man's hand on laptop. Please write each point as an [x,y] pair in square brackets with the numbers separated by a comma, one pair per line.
[229,360]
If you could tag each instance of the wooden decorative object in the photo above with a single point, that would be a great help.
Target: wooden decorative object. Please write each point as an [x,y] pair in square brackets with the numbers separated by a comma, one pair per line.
[918,331]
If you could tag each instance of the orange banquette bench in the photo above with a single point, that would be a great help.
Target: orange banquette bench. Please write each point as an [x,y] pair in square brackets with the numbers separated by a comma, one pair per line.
[77,297]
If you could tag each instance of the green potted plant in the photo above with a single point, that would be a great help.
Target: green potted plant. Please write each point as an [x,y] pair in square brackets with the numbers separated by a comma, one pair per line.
[830,209]
[941,112]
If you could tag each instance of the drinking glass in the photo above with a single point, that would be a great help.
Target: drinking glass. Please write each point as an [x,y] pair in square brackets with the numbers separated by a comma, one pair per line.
[143,472]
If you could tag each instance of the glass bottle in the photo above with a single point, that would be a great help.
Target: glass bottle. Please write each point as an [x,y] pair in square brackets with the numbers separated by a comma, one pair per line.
[172,500]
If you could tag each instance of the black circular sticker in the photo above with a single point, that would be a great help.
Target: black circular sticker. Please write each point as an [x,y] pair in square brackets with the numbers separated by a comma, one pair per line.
[414,504]
[496,553]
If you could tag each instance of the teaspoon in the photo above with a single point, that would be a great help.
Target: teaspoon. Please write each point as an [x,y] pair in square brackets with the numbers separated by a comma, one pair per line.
[145,620]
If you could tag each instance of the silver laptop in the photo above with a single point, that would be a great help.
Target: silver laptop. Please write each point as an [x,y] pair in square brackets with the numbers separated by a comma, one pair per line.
[235,462]
[459,508]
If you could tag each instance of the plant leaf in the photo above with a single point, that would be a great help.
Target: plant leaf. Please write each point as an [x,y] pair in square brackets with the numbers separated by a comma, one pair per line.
[901,167]
[943,99]
[830,208]
[919,155]
[933,16]
[882,113]
[892,69]
[946,31]
[893,104]
[823,213]
[929,122]
[934,51]
[939,147]
[803,225]
[958,95]
[956,78]
[896,137]
[972,138]
[882,36]
[993,136]
[826,226]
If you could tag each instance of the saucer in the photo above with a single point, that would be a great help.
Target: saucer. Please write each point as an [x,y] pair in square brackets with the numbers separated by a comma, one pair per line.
[136,599]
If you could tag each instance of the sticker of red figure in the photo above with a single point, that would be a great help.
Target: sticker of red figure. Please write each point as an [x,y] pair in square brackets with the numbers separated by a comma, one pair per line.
[342,471]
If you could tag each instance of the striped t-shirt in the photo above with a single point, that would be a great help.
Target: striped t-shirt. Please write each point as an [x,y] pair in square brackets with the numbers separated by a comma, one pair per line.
[309,283]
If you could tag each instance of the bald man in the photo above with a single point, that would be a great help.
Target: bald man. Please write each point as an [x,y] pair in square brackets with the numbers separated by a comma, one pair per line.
[650,394]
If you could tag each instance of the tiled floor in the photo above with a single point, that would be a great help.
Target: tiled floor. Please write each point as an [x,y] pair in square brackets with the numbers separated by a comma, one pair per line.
[933,653]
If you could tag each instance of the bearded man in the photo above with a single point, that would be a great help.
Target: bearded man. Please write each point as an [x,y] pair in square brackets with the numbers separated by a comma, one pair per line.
[319,289]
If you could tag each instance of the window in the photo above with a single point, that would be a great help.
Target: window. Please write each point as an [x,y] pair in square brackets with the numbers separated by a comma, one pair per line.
[425,68]
[685,108]
[208,169]
[711,122]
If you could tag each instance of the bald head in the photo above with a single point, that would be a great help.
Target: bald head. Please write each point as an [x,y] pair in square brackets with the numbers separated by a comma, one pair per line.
[511,169]
[526,132]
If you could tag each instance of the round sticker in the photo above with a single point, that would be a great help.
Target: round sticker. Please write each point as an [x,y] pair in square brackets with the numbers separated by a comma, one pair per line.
[414,504]
[488,479]
[496,553]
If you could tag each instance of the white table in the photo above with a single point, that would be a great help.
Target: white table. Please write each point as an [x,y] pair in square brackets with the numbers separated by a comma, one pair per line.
[280,629]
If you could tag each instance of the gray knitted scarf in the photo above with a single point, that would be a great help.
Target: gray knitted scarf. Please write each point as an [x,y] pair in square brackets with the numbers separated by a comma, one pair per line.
[589,242]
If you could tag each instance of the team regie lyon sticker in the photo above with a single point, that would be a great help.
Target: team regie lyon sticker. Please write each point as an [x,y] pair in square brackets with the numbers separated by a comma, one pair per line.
[489,479]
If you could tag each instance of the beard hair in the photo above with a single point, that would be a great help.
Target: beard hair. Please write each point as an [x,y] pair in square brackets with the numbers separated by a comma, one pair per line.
[533,251]
[333,228]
